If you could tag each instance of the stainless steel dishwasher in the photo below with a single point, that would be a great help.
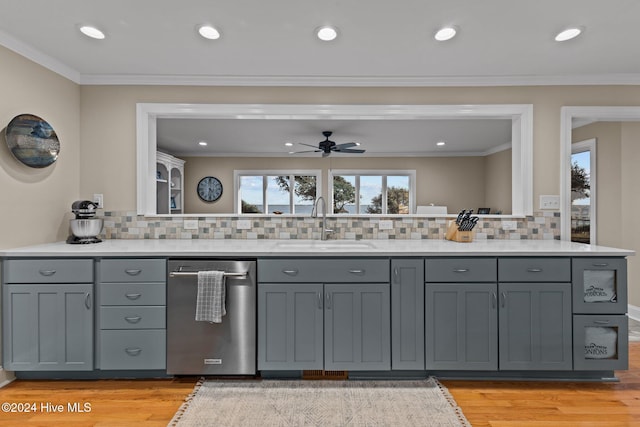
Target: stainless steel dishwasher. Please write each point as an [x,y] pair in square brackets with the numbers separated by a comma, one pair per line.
[203,348]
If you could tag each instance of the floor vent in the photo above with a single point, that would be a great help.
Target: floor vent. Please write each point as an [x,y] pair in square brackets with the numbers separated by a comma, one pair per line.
[325,375]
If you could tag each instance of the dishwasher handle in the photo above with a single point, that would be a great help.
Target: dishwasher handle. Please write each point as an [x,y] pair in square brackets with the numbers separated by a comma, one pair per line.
[195,273]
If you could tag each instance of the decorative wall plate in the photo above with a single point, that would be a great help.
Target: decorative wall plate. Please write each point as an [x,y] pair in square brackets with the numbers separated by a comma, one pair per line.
[32,141]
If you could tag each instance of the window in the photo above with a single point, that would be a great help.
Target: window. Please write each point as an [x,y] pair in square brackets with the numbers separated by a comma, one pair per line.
[372,192]
[583,192]
[270,191]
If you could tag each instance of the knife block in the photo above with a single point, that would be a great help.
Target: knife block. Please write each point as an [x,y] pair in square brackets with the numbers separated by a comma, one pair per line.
[456,235]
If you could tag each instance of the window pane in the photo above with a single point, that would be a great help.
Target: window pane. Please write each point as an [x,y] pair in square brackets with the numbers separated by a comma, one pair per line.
[371,194]
[278,194]
[398,194]
[580,197]
[251,194]
[304,194]
[344,194]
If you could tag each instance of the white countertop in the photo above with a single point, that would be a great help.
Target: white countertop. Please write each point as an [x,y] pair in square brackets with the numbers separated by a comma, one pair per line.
[289,248]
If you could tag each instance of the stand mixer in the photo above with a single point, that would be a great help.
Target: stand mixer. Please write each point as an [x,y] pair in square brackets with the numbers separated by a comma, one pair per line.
[84,228]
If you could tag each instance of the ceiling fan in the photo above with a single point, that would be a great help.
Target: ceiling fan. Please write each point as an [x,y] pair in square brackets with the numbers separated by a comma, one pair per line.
[326,147]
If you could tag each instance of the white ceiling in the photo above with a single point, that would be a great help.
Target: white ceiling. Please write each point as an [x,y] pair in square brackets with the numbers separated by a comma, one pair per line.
[381,42]
[248,137]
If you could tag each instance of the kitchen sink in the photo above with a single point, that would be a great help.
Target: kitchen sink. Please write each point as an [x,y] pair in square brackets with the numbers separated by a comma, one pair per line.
[324,245]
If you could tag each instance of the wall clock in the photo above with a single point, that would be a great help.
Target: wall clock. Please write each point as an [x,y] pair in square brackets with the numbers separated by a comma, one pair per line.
[209,189]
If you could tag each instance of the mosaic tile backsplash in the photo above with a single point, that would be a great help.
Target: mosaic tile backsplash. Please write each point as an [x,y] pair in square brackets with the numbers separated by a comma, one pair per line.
[128,225]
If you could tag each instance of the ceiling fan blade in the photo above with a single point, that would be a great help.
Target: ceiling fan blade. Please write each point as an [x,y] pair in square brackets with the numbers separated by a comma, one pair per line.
[346,145]
[308,145]
[349,150]
[306,151]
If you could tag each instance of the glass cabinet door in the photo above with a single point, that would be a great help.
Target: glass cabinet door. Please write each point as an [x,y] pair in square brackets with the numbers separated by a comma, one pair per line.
[599,285]
[600,342]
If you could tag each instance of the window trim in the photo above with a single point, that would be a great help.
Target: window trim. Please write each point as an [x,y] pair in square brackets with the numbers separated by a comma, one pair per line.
[238,173]
[411,173]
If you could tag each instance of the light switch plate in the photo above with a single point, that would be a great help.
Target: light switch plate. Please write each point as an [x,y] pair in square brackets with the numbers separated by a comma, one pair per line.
[190,224]
[550,202]
[243,224]
[385,224]
[98,199]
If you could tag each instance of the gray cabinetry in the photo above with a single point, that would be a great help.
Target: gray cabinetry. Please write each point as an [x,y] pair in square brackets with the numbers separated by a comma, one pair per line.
[535,326]
[48,315]
[600,325]
[331,314]
[461,314]
[290,326]
[407,314]
[132,316]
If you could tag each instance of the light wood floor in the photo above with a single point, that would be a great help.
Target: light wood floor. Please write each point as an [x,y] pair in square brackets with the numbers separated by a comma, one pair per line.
[146,403]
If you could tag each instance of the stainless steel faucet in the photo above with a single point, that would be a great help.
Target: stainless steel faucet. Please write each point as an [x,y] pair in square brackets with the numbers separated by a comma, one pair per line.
[323,223]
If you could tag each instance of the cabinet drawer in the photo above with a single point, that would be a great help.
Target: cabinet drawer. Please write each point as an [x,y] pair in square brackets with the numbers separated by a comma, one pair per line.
[324,270]
[133,270]
[133,317]
[138,349]
[132,294]
[600,342]
[460,269]
[599,285]
[48,271]
[534,269]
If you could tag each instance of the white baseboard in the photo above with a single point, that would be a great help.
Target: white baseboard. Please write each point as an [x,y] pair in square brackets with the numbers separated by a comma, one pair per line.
[634,312]
[5,377]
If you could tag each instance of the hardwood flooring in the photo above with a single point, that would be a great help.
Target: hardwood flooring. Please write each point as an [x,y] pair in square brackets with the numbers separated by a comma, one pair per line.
[147,403]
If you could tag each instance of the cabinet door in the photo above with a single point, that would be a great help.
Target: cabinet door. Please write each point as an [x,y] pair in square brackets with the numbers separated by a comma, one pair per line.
[290,326]
[48,327]
[357,327]
[600,285]
[407,314]
[461,325]
[535,326]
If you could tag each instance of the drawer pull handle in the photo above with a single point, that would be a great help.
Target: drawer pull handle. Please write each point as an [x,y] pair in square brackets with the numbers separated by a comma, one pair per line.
[292,272]
[133,296]
[504,299]
[47,272]
[601,322]
[328,301]
[600,264]
[133,319]
[460,270]
[494,300]
[133,351]
[320,300]
[534,270]
[133,272]
[357,271]
[87,301]
[396,275]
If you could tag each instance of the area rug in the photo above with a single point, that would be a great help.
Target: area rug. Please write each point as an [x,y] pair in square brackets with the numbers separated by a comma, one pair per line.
[319,403]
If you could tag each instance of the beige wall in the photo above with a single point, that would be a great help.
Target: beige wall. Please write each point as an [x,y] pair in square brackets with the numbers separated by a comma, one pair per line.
[630,155]
[36,203]
[498,181]
[456,182]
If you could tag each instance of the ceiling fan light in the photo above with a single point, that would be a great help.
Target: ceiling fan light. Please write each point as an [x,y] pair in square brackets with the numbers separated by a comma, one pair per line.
[92,32]
[568,34]
[327,33]
[440,143]
[203,143]
[209,32]
[446,33]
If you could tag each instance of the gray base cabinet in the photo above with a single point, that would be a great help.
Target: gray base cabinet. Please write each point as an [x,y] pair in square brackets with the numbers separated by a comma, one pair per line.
[535,326]
[290,326]
[407,314]
[47,315]
[461,326]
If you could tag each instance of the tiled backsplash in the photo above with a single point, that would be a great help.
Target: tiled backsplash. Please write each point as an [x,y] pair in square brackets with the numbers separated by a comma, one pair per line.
[128,225]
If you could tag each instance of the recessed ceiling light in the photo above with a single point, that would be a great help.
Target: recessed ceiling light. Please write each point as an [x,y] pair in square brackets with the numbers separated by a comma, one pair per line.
[440,143]
[446,33]
[203,143]
[568,34]
[92,32]
[327,33]
[357,144]
[288,144]
[209,32]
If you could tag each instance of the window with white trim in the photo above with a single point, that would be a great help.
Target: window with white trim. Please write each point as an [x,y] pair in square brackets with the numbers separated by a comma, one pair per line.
[372,191]
[269,192]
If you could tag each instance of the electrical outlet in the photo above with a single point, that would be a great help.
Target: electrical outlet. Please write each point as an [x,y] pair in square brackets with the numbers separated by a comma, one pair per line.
[509,225]
[385,224]
[98,199]
[190,224]
[243,224]
[549,202]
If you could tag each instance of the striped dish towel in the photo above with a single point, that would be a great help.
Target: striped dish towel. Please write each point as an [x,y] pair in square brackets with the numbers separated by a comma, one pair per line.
[210,304]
